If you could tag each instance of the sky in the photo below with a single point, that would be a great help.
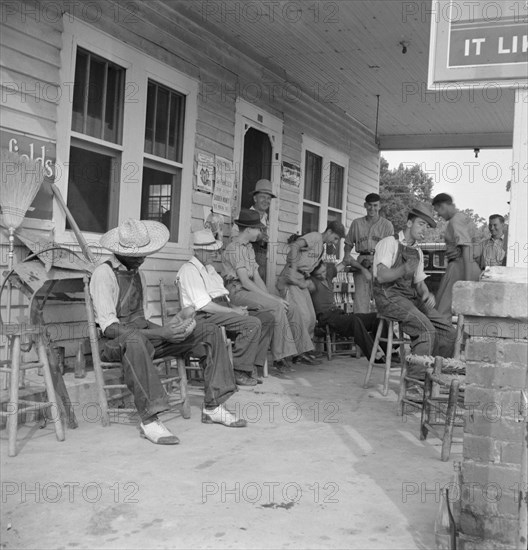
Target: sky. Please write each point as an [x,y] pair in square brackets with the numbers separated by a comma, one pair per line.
[476,183]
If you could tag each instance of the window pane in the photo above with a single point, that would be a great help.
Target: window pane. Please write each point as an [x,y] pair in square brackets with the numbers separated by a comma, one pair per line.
[79,92]
[177,117]
[160,198]
[165,121]
[310,219]
[162,114]
[89,183]
[95,98]
[150,122]
[114,90]
[98,97]
[334,216]
[312,177]
[335,197]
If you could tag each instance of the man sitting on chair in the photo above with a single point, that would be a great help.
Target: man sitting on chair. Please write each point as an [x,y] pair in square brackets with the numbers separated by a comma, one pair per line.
[400,290]
[203,289]
[118,292]
[361,326]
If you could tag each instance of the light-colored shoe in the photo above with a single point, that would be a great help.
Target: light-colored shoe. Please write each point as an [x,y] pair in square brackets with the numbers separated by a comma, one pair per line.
[220,415]
[157,433]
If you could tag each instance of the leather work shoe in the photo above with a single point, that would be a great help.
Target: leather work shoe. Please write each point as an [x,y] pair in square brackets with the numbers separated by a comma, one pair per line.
[242,379]
[157,433]
[306,359]
[220,415]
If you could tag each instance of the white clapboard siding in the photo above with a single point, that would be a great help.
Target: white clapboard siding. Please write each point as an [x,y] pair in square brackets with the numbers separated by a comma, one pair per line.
[223,73]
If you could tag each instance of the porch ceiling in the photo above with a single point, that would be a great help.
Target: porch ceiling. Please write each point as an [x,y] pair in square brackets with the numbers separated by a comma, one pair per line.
[348,52]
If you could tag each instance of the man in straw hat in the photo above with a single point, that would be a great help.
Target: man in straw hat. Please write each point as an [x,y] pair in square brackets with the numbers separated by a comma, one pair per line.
[203,289]
[246,287]
[262,196]
[400,290]
[118,291]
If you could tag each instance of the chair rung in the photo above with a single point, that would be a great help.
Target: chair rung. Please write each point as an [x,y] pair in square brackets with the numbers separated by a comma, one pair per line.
[27,406]
[114,386]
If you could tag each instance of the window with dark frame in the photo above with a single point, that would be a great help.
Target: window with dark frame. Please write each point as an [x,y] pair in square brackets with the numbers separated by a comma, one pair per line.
[97,112]
[164,134]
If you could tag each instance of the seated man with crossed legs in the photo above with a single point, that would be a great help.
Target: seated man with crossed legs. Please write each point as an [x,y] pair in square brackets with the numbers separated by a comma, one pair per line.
[118,291]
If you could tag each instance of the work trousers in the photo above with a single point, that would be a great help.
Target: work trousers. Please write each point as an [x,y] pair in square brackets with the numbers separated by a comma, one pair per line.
[282,341]
[454,272]
[361,326]
[136,351]
[301,315]
[251,336]
[430,332]
[362,293]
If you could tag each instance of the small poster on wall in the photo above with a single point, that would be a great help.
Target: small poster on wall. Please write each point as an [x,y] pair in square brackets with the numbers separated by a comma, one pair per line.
[205,167]
[224,186]
[291,176]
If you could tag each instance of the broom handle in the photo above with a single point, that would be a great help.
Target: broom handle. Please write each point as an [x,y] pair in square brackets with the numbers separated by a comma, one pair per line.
[82,241]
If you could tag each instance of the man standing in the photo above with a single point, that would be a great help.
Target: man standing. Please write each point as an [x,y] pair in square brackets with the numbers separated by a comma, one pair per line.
[400,290]
[463,254]
[304,255]
[118,292]
[495,248]
[203,289]
[364,234]
[262,195]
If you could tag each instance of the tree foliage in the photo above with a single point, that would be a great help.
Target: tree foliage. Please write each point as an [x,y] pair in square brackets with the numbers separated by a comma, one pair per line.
[402,187]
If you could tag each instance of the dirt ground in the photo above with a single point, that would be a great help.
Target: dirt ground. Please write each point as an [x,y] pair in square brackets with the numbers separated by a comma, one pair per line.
[323,463]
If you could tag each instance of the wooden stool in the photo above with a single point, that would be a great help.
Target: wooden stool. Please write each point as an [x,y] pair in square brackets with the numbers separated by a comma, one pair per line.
[14,367]
[388,356]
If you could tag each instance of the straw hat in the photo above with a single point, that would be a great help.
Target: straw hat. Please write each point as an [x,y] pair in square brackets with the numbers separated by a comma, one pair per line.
[204,239]
[136,238]
[425,212]
[264,186]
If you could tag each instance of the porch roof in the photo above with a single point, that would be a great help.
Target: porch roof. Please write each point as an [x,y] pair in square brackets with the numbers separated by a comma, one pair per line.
[346,53]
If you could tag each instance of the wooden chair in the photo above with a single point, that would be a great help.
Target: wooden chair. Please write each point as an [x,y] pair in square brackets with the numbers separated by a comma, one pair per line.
[443,401]
[170,305]
[391,341]
[15,367]
[335,345]
[175,386]
[415,402]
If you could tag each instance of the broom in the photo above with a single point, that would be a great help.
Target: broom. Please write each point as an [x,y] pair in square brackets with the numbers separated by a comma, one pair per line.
[20,181]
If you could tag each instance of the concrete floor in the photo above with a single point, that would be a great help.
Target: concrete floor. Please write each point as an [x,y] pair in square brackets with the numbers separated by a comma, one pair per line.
[323,463]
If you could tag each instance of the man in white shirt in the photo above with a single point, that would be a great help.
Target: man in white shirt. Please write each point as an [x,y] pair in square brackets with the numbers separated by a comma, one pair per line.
[400,290]
[118,292]
[495,248]
[203,288]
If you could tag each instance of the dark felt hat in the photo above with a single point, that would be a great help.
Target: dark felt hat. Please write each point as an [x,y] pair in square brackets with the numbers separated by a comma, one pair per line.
[248,218]
[424,211]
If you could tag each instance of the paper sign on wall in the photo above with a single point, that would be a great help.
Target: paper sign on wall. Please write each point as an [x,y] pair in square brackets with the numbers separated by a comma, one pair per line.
[205,172]
[224,186]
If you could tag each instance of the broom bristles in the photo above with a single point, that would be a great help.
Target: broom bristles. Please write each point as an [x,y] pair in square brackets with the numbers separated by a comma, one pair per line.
[20,181]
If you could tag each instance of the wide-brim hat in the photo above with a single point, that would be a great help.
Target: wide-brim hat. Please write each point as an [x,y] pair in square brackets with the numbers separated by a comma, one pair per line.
[136,238]
[425,212]
[264,186]
[204,240]
[249,218]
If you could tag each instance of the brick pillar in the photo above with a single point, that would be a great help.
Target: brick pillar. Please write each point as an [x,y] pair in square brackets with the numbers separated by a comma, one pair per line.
[496,317]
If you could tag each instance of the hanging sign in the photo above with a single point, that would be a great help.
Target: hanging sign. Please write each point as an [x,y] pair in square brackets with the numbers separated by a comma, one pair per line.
[478,44]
